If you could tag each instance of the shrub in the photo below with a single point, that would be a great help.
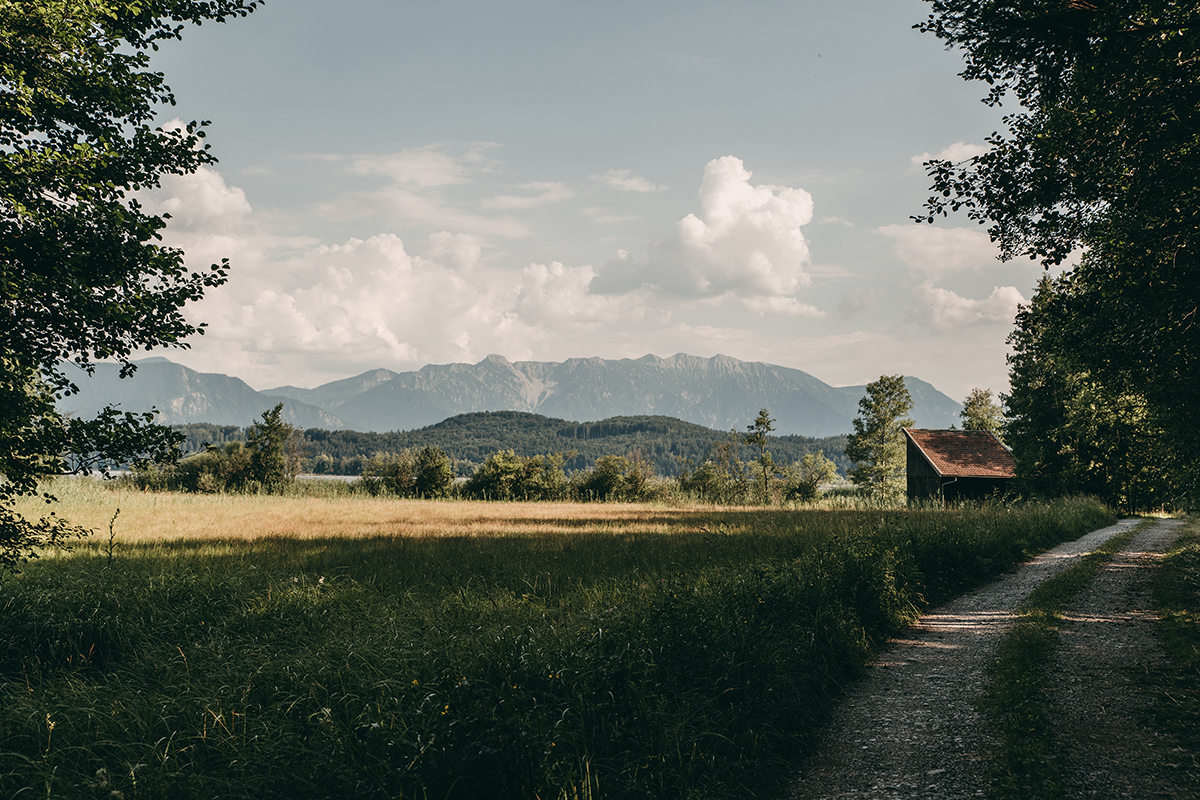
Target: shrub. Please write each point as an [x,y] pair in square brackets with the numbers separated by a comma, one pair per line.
[508,476]
[409,473]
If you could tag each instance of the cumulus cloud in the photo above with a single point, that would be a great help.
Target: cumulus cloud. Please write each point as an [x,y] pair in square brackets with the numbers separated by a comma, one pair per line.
[625,180]
[942,310]
[299,306]
[931,251]
[745,243]
[545,192]
[461,252]
[959,151]
[200,201]
[557,295]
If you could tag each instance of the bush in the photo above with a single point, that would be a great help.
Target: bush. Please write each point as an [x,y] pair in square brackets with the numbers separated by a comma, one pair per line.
[508,476]
[409,473]
[628,478]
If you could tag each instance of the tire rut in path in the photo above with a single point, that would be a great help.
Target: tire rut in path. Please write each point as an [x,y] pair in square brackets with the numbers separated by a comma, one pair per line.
[1094,697]
[908,727]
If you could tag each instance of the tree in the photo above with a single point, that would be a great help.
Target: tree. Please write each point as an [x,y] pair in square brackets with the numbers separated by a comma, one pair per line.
[435,477]
[1071,433]
[82,276]
[508,476]
[756,436]
[804,478]
[268,442]
[877,445]
[1102,156]
[410,473]
[981,413]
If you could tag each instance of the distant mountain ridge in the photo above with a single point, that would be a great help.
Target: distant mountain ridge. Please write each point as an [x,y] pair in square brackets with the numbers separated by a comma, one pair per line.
[718,392]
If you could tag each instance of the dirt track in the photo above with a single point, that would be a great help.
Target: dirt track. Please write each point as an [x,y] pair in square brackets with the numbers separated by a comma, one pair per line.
[909,729]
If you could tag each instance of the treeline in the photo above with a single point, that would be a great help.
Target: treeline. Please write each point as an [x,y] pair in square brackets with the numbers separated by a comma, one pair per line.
[671,446]
[273,453]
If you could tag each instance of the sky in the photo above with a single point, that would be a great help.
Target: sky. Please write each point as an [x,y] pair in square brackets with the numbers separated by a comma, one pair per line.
[402,184]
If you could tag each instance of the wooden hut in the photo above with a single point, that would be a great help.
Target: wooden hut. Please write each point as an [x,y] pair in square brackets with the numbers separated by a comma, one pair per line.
[956,465]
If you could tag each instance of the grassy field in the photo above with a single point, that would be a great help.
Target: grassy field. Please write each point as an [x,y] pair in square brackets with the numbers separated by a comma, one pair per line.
[308,647]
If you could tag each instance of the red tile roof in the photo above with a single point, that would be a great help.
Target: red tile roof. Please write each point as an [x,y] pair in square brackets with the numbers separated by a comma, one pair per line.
[964,454]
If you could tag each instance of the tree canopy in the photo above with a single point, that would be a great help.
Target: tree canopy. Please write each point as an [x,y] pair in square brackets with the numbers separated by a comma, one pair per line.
[980,412]
[83,276]
[1102,158]
[877,444]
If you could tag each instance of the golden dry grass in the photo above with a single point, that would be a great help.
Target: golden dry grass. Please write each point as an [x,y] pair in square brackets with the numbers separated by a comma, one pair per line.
[153,517]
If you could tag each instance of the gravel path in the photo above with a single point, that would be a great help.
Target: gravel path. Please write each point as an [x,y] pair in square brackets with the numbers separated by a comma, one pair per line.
[907,729]
[1095,699]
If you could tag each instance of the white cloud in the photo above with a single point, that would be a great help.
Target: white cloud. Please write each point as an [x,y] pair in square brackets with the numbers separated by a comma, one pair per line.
[942,310]
[200,201]
[603,217]
[546,193]
[559,296]
[425,167]
[397,206]
[746,242]
[296,307]
[932,252]
[414,192]
[959,151]
[461,252]
[625,180]
[746,237]
[781,307]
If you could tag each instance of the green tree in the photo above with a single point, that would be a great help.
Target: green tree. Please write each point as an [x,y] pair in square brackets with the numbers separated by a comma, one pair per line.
[410,473]
[82,276]
[605,480]
[756,436]
[1101,156]
[391,473]
[877,445]
[1071,433]
[804,478]
[508,476]
[268,442]
[435,477]
[982,413]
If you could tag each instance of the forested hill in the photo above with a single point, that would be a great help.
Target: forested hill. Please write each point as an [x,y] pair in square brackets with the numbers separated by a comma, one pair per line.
[470,438]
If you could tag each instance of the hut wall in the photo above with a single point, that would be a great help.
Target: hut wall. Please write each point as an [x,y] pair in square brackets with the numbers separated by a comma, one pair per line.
[974,488]
[923,480]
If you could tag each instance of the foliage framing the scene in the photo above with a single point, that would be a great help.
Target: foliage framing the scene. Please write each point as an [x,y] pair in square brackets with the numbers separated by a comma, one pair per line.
[82,276]
[1102,157]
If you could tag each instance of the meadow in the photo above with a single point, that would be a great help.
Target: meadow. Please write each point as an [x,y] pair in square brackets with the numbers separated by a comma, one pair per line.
[255,646]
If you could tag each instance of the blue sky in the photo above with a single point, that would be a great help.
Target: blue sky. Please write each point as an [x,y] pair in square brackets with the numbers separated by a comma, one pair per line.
[402,184]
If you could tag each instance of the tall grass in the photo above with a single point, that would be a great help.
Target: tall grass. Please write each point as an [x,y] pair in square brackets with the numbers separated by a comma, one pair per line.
[648,653]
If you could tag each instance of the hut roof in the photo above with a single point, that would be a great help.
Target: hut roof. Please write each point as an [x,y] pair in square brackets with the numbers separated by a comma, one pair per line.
[963,454]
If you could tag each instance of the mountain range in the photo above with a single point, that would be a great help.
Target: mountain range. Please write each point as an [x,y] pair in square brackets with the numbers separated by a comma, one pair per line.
[718,392]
